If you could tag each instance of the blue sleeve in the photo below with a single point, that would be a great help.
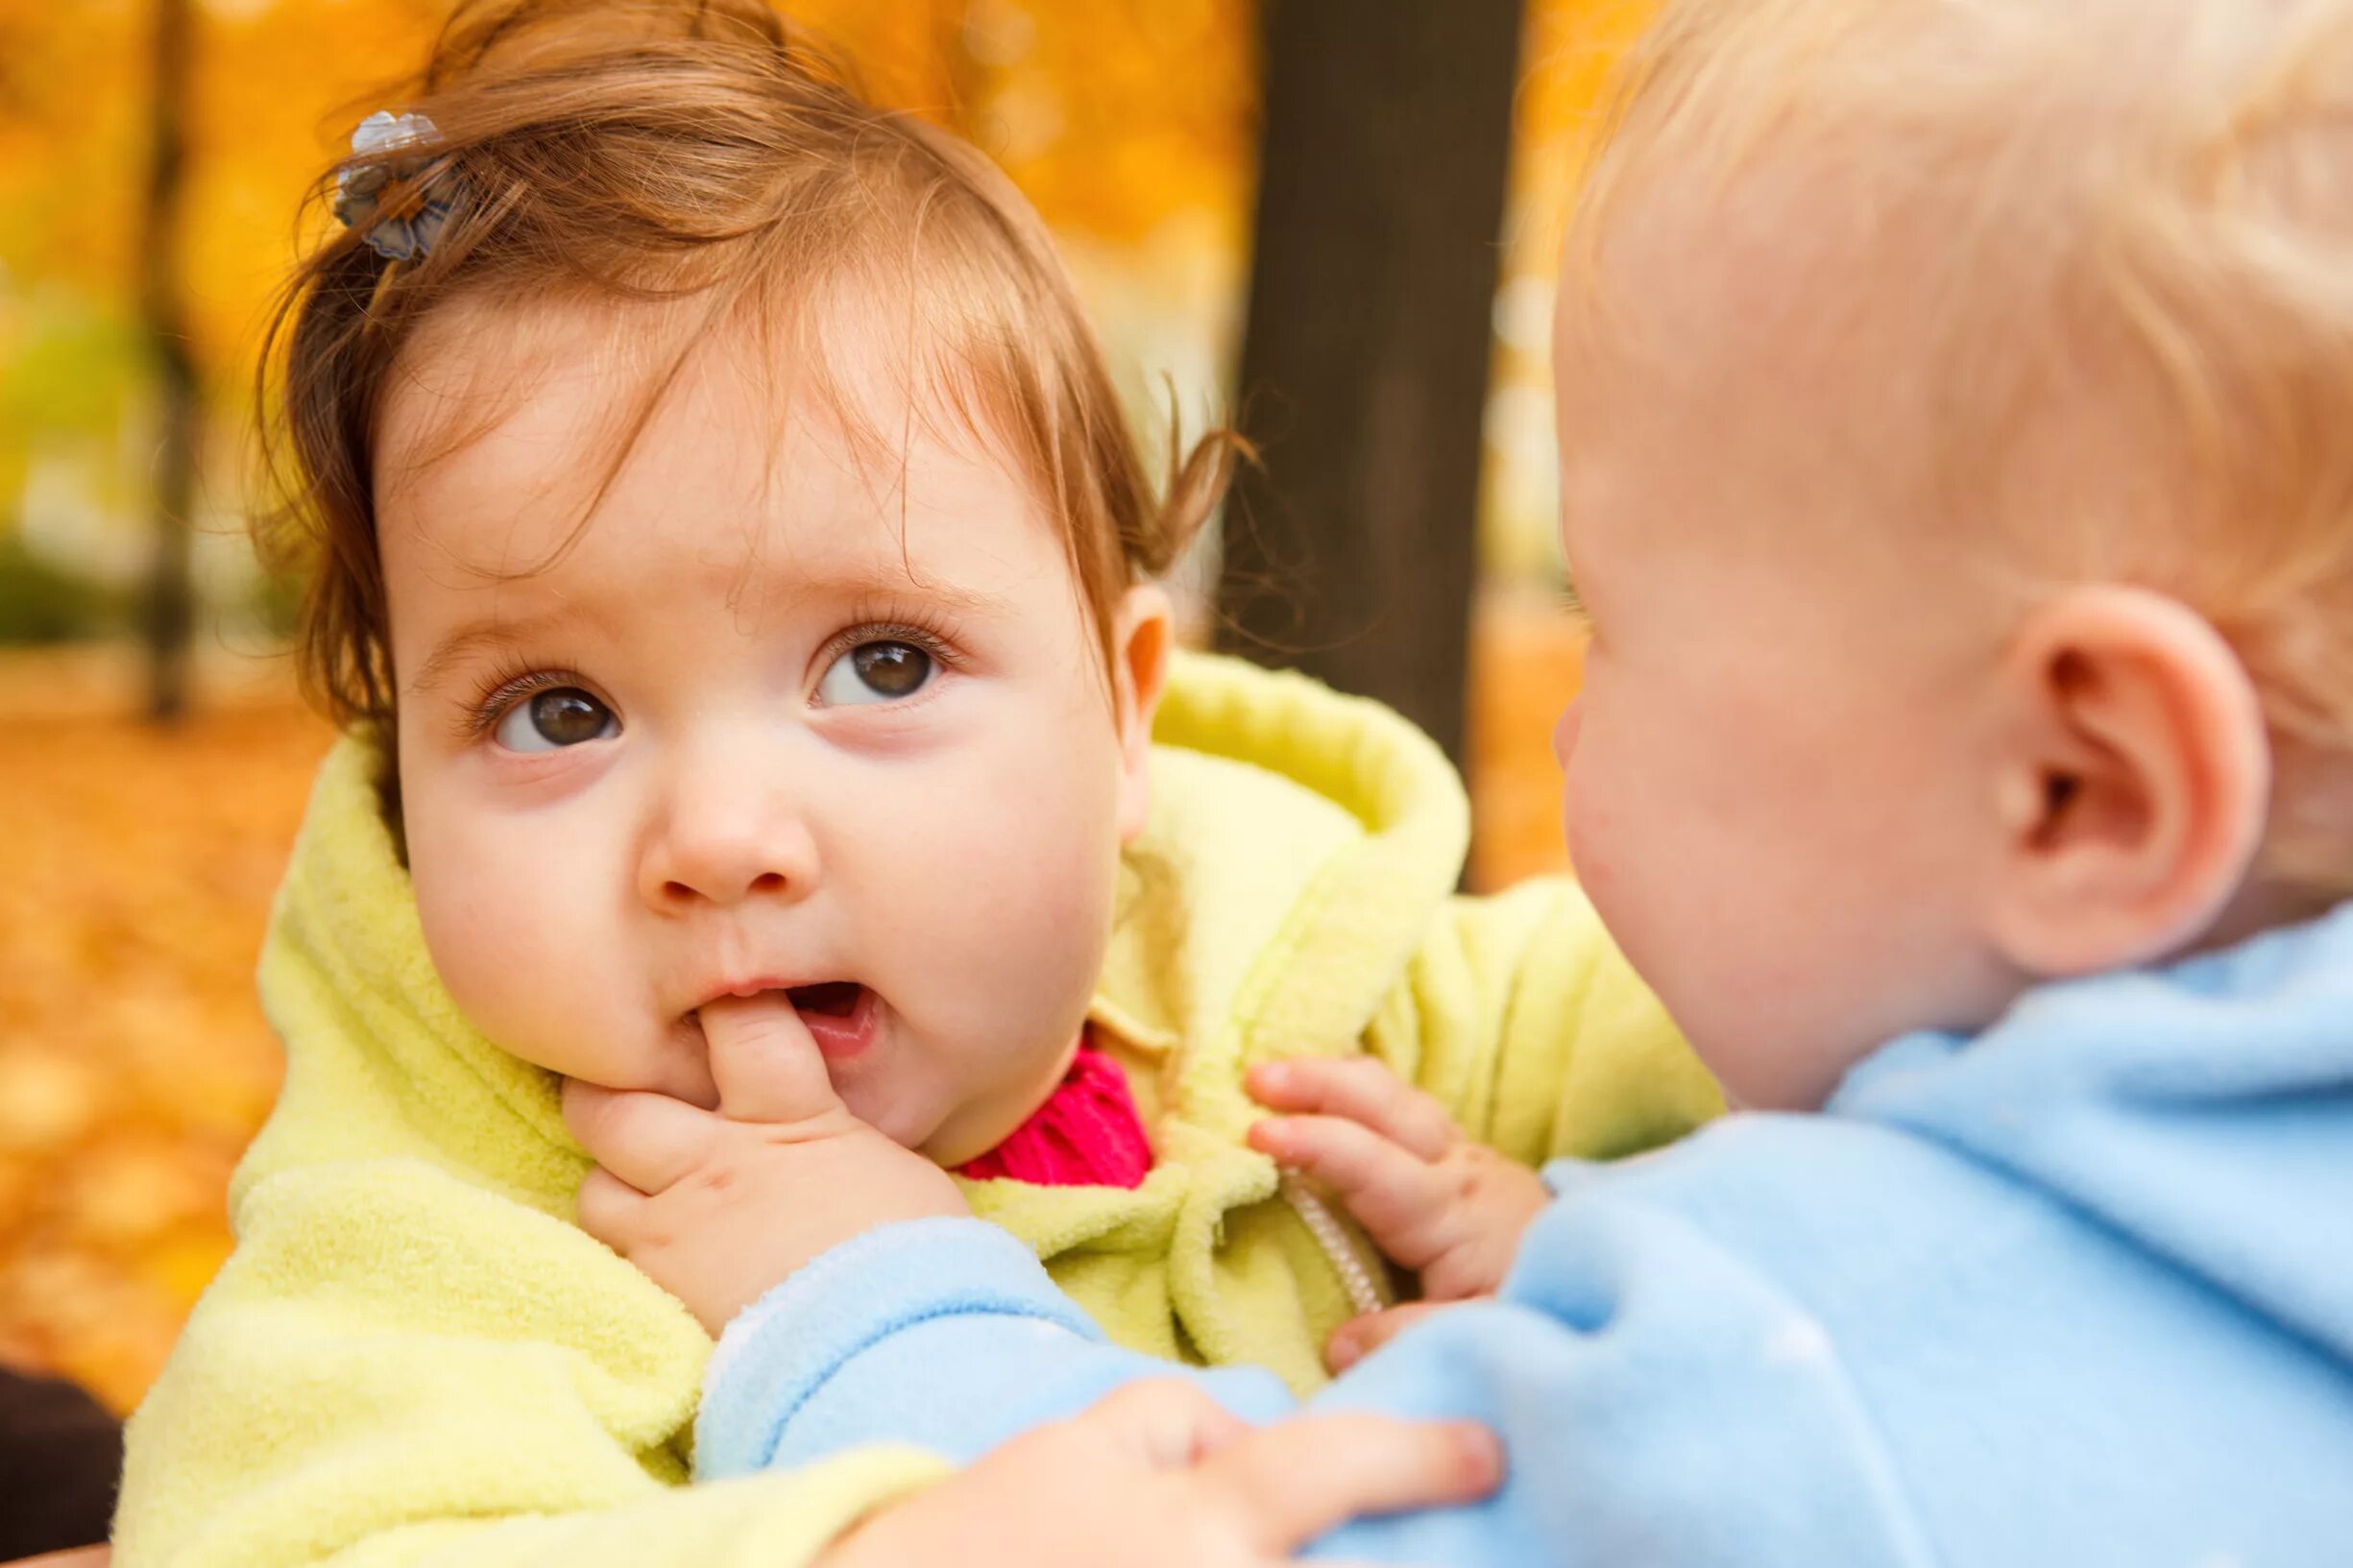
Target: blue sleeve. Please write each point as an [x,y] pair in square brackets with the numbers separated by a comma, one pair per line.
[1661,1401]
[946,1334]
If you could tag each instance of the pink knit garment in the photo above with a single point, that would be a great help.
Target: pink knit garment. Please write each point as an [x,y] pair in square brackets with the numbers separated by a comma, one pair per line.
[1087,1134]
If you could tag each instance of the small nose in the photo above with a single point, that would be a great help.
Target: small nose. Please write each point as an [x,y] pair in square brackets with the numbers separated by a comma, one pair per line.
[726,837]
[1564,733]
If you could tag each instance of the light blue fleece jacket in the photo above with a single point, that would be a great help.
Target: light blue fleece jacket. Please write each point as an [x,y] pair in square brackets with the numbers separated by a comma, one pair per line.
[2075,1291]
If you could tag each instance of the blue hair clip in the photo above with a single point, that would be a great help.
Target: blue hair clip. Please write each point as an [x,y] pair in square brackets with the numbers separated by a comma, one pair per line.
[400,207]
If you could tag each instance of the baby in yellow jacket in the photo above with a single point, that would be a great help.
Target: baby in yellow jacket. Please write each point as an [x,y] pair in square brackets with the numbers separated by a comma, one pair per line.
[733,571]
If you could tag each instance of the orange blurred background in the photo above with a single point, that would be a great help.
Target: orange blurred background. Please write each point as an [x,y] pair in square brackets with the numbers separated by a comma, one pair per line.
[136,861]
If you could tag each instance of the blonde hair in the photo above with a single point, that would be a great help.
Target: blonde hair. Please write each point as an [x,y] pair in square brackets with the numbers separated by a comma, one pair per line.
[2138,221]
[694,155]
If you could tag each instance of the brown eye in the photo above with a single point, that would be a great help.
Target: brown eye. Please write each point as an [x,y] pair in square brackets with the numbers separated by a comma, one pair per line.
[553,719]
[875,673]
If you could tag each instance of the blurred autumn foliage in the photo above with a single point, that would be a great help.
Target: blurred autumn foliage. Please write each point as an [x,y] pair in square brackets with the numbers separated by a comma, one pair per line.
[1113,116]
[136,862]
[135,875]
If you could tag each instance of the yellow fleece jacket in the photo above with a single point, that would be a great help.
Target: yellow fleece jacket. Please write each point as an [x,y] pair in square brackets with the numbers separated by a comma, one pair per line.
[413,1357]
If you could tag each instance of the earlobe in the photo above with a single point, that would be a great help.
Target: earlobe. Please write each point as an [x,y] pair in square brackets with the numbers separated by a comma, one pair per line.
[1143,633]
[2133,794]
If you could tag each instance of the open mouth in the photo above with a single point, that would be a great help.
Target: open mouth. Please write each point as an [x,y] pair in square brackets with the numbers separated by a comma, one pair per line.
[843,1018]
[832,998]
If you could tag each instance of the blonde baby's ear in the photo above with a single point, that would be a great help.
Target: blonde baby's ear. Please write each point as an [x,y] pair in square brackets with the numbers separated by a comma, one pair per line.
[1143,633]
[2134,783]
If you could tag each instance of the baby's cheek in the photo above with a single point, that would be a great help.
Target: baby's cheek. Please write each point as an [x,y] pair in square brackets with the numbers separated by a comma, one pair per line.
[503,942]
[1029,942]
[473,952]
[1585,818]
[1610,863]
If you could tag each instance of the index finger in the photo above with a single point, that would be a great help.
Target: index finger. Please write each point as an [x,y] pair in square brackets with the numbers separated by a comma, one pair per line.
[1297,1479]
[1359,1089]
[766,1065]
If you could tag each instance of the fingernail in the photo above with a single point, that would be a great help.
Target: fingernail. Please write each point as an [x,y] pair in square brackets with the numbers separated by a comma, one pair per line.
[1482,1454]
[1342,1350]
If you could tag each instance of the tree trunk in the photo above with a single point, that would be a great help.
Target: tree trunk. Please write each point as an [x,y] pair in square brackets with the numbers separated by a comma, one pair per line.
[1364,360]
[167,614]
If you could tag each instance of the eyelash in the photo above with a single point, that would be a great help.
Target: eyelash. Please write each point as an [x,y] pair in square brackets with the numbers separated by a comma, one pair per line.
[505,684]
[1572,603]
[887,622]
[512,682]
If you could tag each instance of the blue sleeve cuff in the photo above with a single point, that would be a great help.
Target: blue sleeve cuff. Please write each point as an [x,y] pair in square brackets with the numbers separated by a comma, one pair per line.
[944,1333]
[779,1352]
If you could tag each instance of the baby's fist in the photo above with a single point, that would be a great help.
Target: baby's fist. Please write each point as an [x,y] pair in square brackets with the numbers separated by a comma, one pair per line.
[718,1207]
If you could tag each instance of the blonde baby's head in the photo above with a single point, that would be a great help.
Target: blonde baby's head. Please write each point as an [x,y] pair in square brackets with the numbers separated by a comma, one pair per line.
[1954,410]
[726,519]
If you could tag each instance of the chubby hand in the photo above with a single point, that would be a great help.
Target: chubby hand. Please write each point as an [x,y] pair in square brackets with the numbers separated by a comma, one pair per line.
[1158,1476]
[720,1206]
[1432,1200]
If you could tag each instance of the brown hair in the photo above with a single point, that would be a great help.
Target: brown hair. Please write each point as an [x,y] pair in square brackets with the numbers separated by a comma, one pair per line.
[691,151]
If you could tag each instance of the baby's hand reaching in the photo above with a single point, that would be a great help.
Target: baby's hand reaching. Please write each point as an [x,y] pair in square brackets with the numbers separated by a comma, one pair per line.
[1433,1200]
[1158,1476]
[720,1206]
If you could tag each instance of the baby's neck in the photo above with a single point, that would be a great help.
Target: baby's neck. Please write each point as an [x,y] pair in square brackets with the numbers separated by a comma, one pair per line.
[2263,906]
[1087,1133]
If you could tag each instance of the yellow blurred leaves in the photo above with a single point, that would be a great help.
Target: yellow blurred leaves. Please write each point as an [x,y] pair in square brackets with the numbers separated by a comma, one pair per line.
[134,879]
[1113,114]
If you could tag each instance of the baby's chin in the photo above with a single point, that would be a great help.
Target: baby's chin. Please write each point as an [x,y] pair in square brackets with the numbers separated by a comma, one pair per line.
[962,1136]
[898,1111]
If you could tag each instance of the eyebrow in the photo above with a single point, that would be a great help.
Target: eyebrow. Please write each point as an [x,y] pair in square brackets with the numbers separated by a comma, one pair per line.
[467,641]
[499,634]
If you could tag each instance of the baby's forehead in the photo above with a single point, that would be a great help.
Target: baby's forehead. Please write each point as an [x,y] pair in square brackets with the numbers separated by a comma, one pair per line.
[1747,374]
[1707,277]
[550,411]
[545,498]
[1697,322]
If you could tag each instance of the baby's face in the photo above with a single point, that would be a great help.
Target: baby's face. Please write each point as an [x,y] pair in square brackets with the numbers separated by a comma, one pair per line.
[1774,794]
[778,720]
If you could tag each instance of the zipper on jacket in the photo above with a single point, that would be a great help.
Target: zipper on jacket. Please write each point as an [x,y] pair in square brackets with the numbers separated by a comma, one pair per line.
[1367,1291]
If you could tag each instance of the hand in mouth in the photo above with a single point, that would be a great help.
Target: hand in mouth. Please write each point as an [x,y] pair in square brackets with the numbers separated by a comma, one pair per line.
[841,1016]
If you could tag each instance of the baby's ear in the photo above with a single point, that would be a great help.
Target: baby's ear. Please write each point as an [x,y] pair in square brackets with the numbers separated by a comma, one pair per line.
[2133,786]
[1142,634]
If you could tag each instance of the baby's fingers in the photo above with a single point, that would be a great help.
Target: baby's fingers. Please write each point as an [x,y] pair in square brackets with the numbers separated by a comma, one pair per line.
[1358,1089]
[649,1141]
[1360,1336]
[1294,1480]
[766,1066]
[1167,1423]
[611,1210]
[1393,1193]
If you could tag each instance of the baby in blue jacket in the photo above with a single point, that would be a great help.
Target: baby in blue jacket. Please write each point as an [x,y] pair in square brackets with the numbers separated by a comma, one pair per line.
[1956,421]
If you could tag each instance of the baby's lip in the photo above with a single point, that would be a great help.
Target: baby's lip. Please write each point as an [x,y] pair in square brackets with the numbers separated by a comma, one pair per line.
[792,985]
[843,1017]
